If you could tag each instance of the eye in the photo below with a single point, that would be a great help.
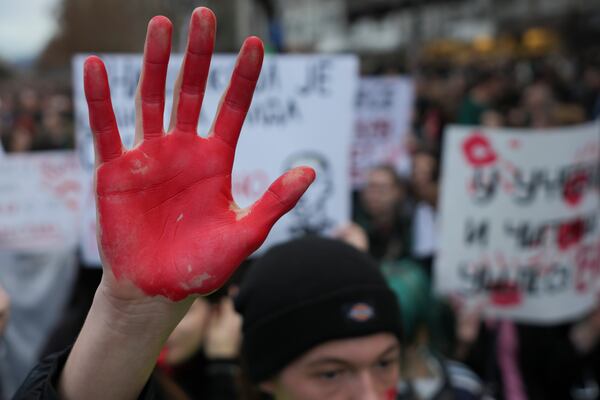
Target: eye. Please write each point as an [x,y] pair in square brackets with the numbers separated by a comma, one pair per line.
[330,375]
[387,363]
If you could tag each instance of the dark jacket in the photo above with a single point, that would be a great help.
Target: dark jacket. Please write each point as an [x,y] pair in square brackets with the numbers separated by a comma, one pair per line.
[41,383]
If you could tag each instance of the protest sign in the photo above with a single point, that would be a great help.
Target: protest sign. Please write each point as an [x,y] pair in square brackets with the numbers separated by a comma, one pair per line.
[383,111]
[520,220]
[302,114]
[40,200]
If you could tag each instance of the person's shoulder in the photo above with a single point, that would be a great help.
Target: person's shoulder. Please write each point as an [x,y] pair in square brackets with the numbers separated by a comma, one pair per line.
[41,381]
[463,380]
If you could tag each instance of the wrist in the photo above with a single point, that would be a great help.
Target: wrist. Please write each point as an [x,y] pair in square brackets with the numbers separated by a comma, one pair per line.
[119,343]
[126,310]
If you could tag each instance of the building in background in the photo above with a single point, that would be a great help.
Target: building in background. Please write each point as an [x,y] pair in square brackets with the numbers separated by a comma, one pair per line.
[385,33]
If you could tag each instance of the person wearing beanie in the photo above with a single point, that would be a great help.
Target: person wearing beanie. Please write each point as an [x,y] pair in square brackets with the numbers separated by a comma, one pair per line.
[319,322]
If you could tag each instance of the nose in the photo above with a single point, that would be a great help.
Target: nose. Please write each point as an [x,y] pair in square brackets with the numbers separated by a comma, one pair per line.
[366,388]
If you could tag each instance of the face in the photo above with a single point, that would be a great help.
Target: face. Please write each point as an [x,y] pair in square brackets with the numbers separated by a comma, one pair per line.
[365,368]
[423,177]
[423,169]
[492,118]
[381,193]
[187,337]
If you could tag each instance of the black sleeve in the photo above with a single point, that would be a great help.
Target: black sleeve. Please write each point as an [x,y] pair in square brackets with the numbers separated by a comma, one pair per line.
[221,380]
[41,383]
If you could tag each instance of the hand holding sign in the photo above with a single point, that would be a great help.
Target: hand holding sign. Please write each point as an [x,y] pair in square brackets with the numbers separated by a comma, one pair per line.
[167,219]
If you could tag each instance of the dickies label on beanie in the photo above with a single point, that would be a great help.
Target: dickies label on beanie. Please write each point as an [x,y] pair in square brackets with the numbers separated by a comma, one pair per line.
[359,312]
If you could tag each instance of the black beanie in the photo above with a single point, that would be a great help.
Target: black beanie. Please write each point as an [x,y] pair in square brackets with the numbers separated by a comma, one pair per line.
[306,292]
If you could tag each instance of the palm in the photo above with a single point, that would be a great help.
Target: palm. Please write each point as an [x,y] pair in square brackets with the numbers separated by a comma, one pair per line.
[167,220]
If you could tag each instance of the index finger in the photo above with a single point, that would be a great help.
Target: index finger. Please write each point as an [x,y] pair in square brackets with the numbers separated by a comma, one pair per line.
[238,96]
[107,141]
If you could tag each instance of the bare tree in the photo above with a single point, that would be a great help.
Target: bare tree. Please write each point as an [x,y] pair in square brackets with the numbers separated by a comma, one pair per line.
[100,26]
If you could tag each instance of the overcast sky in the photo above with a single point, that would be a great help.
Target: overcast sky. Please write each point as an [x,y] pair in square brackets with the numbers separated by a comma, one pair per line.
[25,27]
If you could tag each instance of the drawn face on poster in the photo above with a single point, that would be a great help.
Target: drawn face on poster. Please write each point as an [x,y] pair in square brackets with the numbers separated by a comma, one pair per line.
[310,214]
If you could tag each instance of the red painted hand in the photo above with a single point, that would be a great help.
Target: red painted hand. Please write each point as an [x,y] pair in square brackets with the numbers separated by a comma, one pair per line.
[166,219]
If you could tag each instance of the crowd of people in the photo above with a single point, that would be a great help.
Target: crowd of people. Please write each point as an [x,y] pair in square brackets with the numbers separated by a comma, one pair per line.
[251,329]
[35,117]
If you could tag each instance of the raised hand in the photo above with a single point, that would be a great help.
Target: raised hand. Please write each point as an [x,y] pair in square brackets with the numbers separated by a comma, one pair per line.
[167,221]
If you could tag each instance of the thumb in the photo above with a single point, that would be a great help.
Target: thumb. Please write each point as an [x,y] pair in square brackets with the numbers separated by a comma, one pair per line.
[281,197]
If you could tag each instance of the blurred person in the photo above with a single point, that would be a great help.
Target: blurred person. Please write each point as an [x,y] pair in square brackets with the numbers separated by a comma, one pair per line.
[590,91]
[516,117]
[4,316]
[432,333]
[484,91]
[429,119]
[492,118]
[426,372]
[523,361]
[4,310]
[55,133]
[354,235]
[199,359]
[385,215]
[540,105]
[424,181]
[425,176]
[19,140]
[5,118]
[59,103]
[29,104]
[561,361]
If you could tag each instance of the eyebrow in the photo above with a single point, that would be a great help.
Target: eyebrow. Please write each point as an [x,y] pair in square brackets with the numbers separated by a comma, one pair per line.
[333,360]
[390,350]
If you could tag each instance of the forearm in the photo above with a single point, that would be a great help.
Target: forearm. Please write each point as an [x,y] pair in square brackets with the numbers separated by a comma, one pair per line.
[117,348]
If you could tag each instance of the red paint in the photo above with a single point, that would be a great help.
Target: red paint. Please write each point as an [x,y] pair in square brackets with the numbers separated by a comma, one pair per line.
[162,363]
[154,76]
[507,186]
[514,144]
[236,101]
[574,188]
[478,151]
[107,141]
[166,217]
[506,295]
[471,186]
[587,263]
[201,43]
[570,234]
[391,393]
